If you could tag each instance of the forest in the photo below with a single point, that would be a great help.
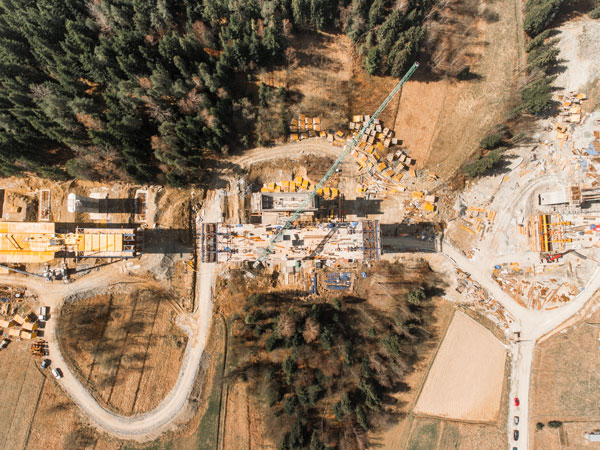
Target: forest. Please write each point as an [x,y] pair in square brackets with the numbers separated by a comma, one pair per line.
[153,90]
[323,371]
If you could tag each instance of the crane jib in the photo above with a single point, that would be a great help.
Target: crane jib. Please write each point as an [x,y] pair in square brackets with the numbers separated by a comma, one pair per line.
[288,224]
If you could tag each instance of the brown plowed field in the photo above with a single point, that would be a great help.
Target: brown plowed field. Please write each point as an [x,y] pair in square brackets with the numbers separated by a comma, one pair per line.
[35,413]
[20,389]
[565,383]
[466,379]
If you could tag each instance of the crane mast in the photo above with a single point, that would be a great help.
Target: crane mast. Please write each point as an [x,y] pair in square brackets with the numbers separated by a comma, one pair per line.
[289,223]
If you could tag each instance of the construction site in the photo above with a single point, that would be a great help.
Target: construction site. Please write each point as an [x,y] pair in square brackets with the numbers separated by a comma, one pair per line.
[89,246]
[45,242]
[342,241]
[542,249]
[319,216]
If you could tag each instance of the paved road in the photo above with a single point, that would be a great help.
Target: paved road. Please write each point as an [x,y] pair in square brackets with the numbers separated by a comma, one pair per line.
[532,324]
[149,425]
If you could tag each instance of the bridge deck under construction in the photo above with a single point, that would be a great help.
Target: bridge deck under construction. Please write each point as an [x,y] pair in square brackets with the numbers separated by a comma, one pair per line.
[356,241]
[39,242]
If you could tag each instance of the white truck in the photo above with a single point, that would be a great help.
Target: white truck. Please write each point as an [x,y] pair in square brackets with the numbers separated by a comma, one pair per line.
[44,313]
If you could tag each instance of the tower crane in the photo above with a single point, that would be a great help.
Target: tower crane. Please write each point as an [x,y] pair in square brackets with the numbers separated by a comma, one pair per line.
[289,223]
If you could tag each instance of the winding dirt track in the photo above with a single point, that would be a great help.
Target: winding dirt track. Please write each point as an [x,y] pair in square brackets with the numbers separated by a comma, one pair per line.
[146,426]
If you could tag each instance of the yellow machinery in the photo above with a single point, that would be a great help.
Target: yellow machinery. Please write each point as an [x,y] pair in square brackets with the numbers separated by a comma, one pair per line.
[37,242]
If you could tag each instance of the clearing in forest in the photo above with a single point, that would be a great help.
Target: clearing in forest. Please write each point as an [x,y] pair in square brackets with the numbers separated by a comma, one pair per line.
[466,378]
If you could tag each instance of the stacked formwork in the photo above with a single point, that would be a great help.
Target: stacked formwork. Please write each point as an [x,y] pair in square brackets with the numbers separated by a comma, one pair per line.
[570,106]
[377,132]
[303,127]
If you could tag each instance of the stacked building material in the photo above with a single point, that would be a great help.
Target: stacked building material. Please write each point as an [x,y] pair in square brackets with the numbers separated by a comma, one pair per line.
[570,106]
[377,132]
[303,127]
[300,184]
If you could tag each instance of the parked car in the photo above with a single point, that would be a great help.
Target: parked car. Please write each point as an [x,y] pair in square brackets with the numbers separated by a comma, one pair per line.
[516,420]
[516,435]
[45,364]
[4,343]
[516,401]
[57,373]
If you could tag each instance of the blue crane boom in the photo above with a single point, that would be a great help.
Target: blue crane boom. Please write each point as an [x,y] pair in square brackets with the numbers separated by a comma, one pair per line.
[288,224]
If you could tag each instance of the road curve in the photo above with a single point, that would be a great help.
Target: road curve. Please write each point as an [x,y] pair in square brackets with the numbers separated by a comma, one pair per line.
[147,426]
[533,325]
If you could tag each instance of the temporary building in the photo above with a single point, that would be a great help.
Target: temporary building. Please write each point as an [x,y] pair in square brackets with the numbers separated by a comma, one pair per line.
[28,334]
[20,320]
[7,323]
[14,331]
[30,326]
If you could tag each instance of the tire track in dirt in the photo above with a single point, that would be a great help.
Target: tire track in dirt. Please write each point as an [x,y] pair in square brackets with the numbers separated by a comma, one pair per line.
[37,404]
[221,428]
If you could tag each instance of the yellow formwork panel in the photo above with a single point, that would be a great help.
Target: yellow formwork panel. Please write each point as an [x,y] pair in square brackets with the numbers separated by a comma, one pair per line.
[27,227]
[22,257]
[101,243]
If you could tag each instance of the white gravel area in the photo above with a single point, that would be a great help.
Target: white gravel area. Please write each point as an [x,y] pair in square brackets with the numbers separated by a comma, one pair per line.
[579,49]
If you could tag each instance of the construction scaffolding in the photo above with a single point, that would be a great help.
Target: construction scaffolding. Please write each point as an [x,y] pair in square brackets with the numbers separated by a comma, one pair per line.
[350,241]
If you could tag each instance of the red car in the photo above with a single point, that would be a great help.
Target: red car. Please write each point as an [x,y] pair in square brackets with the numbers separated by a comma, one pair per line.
[516,401]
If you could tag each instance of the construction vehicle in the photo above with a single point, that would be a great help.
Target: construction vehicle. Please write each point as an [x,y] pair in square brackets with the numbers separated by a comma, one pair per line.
[551,258]
[44,313]
[294,217]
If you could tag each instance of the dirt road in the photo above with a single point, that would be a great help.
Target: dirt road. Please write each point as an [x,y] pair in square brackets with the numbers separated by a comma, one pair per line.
[314,146]
[146,426]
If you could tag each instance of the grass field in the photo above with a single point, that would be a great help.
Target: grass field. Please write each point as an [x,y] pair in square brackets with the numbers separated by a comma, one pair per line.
[565,386]
[425,435]
[438,434]
[467,376]
[416,432]
[124,346]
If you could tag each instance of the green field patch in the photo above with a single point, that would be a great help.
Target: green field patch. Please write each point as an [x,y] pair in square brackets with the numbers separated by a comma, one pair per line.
[425,435]
[450,437]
